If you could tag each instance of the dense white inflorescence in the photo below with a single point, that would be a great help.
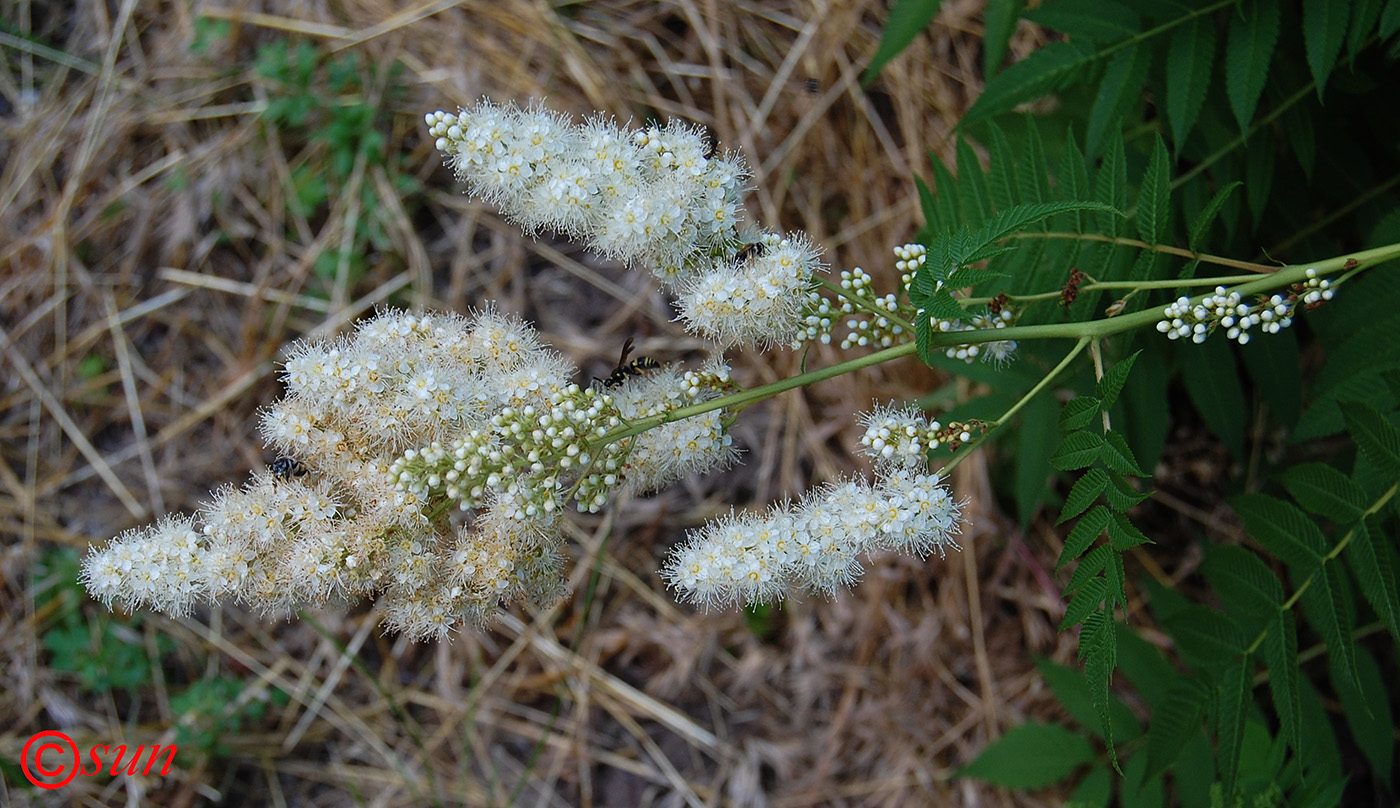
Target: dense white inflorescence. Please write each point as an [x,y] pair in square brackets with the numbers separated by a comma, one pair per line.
[438,452]
[815,544]
[659,197]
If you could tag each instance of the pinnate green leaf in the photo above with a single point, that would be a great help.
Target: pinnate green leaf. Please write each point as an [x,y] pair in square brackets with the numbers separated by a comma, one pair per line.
[1302,137]
[1324,30]
[1071,688]
[907,19]
[928,205]
[1372,561]
[1077,450]
[1234,696]
[1282,529]
[1375,437]
[1324,491]
[1034,176]
[1099,650]
[1174,721]
[1001,170]
[946,215]
[1085,602]
[1190,59]
[1363,23]
[1117,577]
[1281,652]
[1120,87]
[1074,178]
[1121,496]
[1095,789]
[1367,711]
[1089,527]
[1030,755]
[1045,70]
[998,23]
[973,198]
[1243,581]
[1253,34]
[1037,441]
[1093,562]
[1113,380]
[1143,664]
[1201,224]
[1326,604]
[1086,489]
[1118,456]
[1014,220]
[1123,534]
[1204,637]
[1154,197]
[923,333]
[1390,19]
[1079,412]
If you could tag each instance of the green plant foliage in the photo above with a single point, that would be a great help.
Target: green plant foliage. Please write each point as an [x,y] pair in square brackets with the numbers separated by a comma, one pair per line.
[327,111]
[1204,134]
[907,19]
[105,653]
[1030,755]
[211,709]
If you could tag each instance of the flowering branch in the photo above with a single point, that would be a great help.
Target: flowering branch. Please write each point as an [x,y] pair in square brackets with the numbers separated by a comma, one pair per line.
[428,457]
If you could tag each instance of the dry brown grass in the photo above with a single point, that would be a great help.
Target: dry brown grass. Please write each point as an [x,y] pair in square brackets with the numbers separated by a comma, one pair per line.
[155,261]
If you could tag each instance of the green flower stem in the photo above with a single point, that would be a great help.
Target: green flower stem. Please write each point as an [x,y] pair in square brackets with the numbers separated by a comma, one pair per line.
[1079,331]
[1098,286]
[738,401]
[1001,420]
[1278,279]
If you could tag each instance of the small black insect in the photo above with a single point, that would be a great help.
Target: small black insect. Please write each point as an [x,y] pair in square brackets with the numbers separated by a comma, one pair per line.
[710,147]
[749,251]
[626,370]
[813,86]
[285,468]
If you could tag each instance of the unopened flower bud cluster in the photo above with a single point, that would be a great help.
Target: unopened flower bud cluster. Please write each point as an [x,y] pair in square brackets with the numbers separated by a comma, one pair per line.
[815,544]
[898,436]
[865,328]
[902,437]
[997,352]
[703,383]
[1226,309]
[520,455]
[909,257]
[869,329]
[660,198]
[392,427]
[818,317]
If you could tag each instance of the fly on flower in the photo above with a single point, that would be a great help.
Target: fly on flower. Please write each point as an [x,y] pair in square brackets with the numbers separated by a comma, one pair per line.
[751,250]
[285,468]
